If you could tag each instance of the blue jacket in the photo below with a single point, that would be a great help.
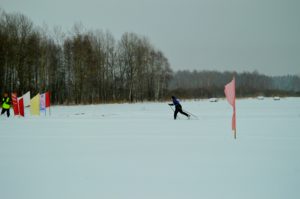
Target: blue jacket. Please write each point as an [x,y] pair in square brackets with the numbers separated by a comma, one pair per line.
[175,101]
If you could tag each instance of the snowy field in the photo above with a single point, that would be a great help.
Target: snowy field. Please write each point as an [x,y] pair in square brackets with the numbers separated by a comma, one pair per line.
[137,151]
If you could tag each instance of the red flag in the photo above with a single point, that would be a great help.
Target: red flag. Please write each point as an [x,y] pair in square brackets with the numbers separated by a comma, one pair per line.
[15,103]
[47,99]
[21,106]
[230,96]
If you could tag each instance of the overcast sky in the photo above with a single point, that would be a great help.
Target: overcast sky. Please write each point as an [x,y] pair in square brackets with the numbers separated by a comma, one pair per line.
[239,35]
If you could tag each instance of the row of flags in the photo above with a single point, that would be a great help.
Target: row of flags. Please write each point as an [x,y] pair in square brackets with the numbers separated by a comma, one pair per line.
[38,103]
[41,102]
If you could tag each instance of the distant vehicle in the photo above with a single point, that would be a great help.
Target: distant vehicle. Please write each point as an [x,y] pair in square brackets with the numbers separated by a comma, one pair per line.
[260,98]
[276,98]
[213,99]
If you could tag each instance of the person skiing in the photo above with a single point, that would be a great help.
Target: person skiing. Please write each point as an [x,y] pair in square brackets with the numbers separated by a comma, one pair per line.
[5,104]
[178,108]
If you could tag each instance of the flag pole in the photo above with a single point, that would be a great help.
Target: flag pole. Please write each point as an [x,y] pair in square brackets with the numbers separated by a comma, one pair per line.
[18,107]
[49,103]
[234,120]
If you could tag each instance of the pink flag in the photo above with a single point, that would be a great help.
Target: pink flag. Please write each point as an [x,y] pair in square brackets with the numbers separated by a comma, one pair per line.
[230,96]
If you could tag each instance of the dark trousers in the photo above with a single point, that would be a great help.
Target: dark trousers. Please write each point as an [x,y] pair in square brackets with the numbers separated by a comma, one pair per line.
[178,108]
[5,110]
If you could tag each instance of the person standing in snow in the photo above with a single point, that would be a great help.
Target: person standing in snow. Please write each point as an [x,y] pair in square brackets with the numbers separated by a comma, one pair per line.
[5,104]
[178,108]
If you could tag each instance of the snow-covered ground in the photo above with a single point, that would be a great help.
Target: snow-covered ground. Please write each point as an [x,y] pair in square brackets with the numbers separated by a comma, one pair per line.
[137,151]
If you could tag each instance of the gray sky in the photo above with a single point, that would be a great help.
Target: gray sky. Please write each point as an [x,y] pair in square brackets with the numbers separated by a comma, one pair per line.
[240,35]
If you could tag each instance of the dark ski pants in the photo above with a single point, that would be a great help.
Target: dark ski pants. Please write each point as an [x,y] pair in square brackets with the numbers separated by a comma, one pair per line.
[178,108]
[5,110]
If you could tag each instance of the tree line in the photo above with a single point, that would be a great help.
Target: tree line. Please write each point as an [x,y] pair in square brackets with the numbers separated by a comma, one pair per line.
[207,84]
[91,66]
[81,67]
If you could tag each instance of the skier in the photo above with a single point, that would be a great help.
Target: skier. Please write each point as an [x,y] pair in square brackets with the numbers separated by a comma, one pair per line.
[178,108]
[5,105]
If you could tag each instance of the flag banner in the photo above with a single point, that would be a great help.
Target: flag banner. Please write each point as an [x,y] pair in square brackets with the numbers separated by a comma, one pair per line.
[230,92]
[35,105]
[43,102]
[230,96]
[26,98]
[15,103]
[21,106]
[47,101]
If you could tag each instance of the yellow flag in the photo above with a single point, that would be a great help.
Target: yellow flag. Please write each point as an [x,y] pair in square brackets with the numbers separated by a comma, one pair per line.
[35,105]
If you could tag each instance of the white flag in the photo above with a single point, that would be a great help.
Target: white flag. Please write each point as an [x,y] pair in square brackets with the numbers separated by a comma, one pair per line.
[26,98]
[43,101]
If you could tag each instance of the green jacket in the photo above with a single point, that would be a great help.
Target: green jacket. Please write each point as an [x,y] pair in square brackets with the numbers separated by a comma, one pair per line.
[6,102]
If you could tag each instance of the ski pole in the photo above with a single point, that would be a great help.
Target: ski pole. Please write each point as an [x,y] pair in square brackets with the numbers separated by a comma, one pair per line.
[171,107]
[191,114]
[174,111]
